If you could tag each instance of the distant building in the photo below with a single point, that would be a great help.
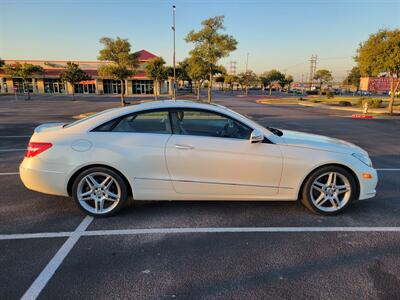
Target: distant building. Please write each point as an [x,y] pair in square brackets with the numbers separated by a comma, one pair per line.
[375,84]
[50,83]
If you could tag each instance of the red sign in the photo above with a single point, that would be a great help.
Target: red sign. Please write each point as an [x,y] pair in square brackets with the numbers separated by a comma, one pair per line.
[379,84]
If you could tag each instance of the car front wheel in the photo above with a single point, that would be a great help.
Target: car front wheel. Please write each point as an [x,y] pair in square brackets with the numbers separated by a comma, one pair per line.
[329,190]
[100,192]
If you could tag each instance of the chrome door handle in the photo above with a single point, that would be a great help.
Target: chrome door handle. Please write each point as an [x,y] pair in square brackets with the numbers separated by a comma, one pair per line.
[184,147]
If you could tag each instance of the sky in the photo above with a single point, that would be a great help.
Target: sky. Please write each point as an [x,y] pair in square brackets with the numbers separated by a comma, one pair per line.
[273,34]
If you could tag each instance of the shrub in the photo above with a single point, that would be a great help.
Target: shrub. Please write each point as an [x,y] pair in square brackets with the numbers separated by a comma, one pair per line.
[314,92]
[372,103]
[344,103]
[329,94]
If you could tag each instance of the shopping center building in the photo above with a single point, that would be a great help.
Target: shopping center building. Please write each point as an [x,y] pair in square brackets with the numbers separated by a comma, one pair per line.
[50,83]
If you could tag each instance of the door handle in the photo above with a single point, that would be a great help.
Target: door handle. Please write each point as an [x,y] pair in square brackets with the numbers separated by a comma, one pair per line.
[184,147]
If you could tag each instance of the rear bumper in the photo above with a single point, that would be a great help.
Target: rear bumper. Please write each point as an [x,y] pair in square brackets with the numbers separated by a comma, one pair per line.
[41,180]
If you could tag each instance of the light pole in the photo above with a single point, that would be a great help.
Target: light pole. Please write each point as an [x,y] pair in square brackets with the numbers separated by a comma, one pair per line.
[173,58]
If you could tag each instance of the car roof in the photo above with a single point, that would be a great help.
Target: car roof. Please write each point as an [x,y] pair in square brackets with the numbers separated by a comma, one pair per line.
[171,104]
[119,111]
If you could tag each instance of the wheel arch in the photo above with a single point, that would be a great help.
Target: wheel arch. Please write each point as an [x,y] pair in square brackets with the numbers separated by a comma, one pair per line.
[351,171]
[83,168]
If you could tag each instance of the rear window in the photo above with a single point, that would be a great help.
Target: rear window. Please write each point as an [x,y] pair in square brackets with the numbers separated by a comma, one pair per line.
[144,122]
[87,118]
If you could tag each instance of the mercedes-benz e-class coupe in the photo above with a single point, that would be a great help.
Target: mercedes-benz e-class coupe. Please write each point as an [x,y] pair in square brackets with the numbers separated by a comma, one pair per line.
[182,150]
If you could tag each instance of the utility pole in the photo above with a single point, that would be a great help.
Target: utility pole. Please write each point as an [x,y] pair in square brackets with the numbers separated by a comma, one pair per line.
[173,59]
[313,68]
[247,62]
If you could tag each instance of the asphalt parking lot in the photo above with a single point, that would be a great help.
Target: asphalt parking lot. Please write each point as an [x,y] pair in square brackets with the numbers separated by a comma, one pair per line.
[200,250]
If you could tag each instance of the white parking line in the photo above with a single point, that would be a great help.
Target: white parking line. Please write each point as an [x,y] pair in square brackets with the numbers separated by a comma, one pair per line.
[14,136]
[39,235]
[12,150]
[195,230]
[9,173]
[48,272]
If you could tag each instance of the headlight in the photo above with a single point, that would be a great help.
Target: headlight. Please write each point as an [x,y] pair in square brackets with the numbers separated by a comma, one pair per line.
[363,158]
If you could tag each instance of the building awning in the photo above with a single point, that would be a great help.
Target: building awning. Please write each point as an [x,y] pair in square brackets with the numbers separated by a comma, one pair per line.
[88,82]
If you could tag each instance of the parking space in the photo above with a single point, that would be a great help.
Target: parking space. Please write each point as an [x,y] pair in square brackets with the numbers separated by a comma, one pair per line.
[21,261]
[231,266]
[294,256]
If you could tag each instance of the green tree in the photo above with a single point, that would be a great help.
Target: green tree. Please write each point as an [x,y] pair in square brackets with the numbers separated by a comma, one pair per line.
[220,79]
[198,72]
[286,82]
[381,54]
[156,70]
[182,72]
[210,45]
[264,80]
[124,62]
[73,74]
[323,76]
[1,63]
[270,78]
[230,80]
[353,77]
[247,79]
[23,71]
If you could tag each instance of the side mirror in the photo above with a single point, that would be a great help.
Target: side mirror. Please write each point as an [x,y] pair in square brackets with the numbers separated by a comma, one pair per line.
[256,136]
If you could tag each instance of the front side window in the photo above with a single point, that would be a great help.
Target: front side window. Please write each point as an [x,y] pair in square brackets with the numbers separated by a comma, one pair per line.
[146,122]
[206,123]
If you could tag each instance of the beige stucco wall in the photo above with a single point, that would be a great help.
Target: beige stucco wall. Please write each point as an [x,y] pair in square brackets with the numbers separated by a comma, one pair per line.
[10,85]
[40,85]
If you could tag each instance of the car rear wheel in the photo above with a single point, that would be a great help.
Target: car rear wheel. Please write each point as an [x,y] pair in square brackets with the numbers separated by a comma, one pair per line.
[100,192]
[329,190]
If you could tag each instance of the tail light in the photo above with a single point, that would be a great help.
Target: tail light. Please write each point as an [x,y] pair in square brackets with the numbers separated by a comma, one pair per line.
[36,148]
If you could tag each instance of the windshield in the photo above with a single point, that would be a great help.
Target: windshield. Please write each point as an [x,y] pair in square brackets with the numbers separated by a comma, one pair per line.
[87,118]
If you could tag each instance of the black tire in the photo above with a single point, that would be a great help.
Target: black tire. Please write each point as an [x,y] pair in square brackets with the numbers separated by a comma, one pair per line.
[306,191]
[117,177]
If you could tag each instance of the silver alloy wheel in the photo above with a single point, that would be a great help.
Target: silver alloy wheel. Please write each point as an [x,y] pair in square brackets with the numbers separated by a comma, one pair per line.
[330,191]
[98,193]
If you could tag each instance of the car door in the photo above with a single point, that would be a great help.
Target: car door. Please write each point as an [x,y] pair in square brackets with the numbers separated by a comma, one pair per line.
[210,154]
[135,144]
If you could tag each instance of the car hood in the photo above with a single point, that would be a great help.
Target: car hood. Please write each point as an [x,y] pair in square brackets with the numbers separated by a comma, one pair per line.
[320,142]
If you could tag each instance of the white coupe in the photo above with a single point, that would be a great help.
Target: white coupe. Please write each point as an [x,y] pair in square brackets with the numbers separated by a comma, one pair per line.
[181,150]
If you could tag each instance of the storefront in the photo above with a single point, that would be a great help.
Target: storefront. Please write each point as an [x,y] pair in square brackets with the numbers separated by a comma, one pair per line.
[85,87]
[50,83]
[111,86]
[142,87]
[23,87]
[53,86]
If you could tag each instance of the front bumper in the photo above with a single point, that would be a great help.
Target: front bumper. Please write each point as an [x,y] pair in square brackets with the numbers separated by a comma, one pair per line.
[368,186]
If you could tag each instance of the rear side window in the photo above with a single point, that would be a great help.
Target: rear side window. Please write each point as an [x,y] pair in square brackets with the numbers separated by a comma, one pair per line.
[146,122]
